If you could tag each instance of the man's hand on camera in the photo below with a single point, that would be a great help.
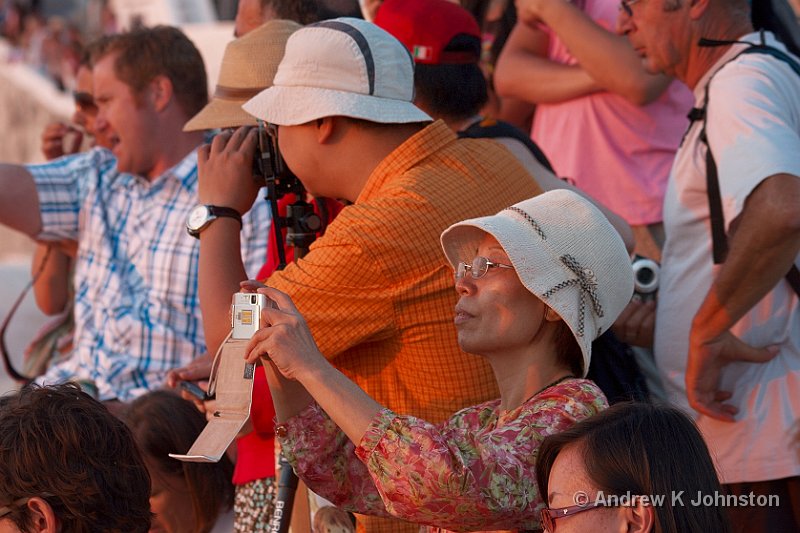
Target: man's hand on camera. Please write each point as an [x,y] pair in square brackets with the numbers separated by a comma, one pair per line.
[225,170]
[198,371]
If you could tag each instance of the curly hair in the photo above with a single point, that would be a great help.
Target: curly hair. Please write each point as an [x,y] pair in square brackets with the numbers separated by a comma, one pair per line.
[60,444]
[163,423]
[145,53]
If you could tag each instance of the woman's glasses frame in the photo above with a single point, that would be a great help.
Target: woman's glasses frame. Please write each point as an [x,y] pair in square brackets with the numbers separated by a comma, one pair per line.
[549,516]
[479,267]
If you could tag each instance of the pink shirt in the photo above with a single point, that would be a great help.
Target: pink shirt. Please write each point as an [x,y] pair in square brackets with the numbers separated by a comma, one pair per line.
[617,152]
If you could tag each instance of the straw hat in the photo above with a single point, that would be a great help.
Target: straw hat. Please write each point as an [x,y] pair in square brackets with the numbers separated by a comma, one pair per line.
[564,251]
[248,67]
[346,67]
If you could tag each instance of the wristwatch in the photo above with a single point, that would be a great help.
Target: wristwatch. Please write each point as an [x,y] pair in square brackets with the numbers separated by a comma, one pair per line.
[202,215]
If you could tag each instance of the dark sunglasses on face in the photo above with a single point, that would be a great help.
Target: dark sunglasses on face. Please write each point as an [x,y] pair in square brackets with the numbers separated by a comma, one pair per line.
[84,101]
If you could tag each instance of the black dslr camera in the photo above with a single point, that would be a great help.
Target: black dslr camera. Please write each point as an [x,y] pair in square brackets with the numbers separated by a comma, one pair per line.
[301,222]
[269,166]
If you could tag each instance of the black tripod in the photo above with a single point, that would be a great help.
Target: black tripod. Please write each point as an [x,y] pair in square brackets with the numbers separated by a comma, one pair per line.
[302,225]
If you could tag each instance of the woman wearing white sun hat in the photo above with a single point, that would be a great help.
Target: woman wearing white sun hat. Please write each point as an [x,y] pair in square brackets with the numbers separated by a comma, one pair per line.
[537,283]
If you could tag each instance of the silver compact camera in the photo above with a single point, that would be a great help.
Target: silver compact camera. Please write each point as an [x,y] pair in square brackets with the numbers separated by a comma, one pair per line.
[246,313]
[645,277]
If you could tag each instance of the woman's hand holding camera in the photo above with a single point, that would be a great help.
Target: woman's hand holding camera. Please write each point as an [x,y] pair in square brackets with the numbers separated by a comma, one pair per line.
[286,342]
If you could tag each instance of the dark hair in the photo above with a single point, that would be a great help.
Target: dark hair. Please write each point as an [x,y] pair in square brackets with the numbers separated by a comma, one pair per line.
[568,351]
[60,444]
[145,53]
[500,28]
[644,449]
[301,11]
[162,423]
[455,92]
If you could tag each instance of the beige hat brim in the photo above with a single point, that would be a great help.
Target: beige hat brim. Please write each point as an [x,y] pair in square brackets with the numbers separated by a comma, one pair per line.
[573,234]
[220,113]
[290,106]
[460,243]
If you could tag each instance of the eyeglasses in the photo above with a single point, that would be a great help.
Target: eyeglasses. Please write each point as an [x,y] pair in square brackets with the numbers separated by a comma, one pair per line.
[479,267]
[625,5]
[549,516]
[7,509]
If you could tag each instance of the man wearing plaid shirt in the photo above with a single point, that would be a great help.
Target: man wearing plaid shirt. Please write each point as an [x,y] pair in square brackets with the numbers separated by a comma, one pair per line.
[136,308]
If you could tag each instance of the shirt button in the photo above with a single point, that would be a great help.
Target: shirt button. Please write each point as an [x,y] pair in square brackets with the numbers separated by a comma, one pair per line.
[281,430]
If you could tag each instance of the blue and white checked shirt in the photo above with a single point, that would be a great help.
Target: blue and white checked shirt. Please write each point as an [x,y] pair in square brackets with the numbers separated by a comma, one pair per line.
[137,313]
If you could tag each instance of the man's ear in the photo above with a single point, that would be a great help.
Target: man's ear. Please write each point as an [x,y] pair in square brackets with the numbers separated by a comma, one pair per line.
[42,517]
[641,517]
[697,8]
[161,92]
[327,129]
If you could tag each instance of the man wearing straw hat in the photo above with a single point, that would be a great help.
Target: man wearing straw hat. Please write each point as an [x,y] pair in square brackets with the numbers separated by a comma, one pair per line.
[248,67]
[374,289]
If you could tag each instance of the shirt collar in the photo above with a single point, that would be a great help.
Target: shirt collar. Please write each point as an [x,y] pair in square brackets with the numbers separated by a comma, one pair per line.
[419,146]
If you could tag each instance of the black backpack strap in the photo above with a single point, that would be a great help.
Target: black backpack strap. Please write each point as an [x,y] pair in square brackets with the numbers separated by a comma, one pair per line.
[719,238]
[489,128]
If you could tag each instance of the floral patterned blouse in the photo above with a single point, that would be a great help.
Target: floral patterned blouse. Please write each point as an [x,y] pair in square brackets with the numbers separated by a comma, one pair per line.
[474,471]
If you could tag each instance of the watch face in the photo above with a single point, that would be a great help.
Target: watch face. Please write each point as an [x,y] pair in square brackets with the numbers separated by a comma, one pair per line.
[198,216]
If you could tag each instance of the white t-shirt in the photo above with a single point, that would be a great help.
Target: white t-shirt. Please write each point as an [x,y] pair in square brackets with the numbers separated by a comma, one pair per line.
[754,130]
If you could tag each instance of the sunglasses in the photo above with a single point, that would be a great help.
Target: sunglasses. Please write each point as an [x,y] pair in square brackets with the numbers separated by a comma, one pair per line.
[84,101]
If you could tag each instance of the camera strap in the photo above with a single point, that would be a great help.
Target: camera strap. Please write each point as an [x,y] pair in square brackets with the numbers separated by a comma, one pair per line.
[9,366]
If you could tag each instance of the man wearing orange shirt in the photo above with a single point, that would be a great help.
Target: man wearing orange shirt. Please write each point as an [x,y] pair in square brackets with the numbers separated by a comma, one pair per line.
[375,289]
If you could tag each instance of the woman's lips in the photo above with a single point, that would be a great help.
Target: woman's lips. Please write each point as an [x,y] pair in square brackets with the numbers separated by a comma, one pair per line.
[461,316]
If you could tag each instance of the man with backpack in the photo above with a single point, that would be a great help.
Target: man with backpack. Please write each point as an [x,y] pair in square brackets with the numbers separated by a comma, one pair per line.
[727,337]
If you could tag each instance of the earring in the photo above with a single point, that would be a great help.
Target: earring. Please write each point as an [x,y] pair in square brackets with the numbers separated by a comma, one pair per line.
[550,315]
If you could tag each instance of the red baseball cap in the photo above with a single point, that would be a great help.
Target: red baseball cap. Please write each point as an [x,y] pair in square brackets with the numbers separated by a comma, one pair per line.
[426,27]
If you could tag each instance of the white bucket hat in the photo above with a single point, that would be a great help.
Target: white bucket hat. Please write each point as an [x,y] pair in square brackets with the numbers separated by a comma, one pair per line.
[248,67]
[564,251]
[341,67]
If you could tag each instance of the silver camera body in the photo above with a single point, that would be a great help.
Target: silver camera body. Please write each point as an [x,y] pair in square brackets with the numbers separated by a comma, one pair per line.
[246,314]
[645,277]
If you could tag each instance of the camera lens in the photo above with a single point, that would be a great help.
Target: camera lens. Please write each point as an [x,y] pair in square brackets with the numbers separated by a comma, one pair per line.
[645,276]
[645,273]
